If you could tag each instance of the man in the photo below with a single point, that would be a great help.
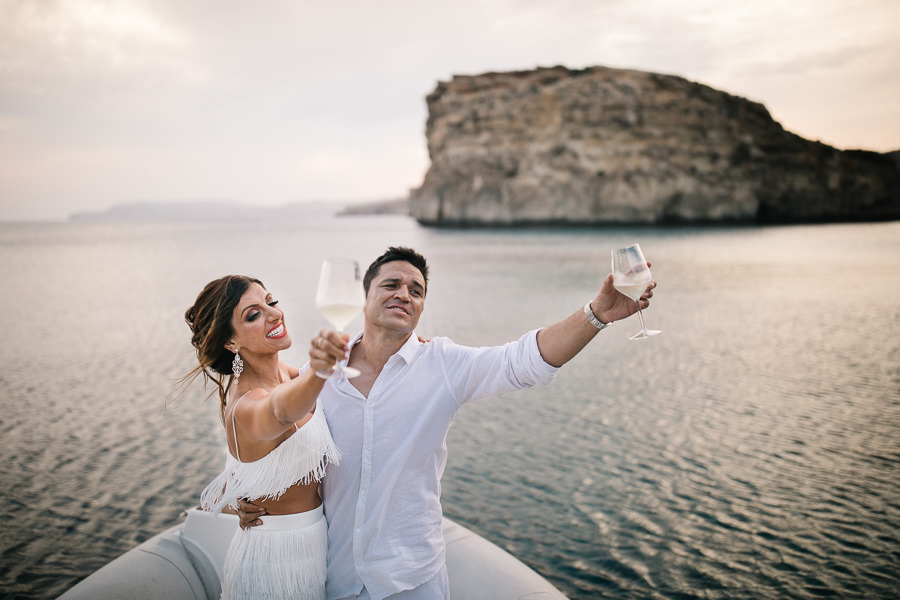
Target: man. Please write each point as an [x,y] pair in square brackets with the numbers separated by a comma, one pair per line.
[383,501]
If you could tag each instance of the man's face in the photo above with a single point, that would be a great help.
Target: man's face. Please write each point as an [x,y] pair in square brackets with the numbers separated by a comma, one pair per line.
[396,297]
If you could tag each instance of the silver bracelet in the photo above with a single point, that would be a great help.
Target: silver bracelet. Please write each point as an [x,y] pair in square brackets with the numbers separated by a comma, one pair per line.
[589,313]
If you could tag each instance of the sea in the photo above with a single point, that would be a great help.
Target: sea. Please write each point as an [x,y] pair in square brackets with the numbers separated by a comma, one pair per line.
[752,450]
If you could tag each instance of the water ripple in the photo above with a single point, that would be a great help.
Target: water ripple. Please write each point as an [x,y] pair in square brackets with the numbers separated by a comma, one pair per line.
[751,451]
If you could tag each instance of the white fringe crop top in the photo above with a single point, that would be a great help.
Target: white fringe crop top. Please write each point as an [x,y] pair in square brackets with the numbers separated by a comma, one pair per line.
[301,458]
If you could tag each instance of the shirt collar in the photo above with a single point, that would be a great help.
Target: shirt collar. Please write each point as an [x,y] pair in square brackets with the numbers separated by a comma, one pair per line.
[407,351]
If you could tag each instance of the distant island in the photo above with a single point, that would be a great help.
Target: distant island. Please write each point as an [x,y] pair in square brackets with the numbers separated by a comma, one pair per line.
[229,211]
[613,146]
[398,206]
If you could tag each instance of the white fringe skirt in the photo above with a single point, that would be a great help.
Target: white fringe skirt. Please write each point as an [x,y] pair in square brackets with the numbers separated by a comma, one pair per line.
[284,558]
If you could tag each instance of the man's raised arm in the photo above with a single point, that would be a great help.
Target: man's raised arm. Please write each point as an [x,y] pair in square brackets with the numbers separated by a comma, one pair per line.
[560,342]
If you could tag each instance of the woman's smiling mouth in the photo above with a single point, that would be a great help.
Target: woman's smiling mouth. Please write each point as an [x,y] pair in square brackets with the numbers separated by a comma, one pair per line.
[277,332]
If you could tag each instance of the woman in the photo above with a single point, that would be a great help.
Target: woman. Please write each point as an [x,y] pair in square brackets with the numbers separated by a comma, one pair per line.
[278,445]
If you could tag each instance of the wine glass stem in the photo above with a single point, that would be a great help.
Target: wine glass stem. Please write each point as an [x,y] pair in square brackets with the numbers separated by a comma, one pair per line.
[337,365]
[640,314]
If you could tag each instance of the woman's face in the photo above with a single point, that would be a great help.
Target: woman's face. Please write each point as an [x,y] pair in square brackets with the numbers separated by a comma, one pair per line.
[258,323]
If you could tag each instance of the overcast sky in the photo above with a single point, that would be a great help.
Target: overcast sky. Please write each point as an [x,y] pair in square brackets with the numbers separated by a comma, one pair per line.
[104,102]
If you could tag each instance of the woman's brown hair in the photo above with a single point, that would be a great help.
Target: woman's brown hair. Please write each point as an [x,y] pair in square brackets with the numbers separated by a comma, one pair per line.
[210,322]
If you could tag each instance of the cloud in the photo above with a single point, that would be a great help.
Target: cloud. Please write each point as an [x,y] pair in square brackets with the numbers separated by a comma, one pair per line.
[72,39]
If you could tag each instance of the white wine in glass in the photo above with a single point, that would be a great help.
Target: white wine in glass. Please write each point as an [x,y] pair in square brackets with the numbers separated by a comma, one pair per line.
[340,298]
[631,276]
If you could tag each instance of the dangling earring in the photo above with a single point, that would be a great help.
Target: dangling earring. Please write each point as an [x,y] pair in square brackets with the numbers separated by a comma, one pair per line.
[237,366]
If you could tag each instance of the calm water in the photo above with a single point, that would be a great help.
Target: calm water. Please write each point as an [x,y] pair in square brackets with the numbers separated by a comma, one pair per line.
[751,451]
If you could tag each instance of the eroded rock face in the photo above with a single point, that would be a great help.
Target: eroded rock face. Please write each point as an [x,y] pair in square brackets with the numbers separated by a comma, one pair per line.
[597,146]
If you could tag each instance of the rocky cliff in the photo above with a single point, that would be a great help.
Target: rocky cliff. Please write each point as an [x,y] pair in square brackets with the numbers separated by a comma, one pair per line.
[599,145]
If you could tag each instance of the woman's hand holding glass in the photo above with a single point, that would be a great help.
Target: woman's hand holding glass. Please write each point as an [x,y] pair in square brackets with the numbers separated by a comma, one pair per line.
[340,298]
[327,349]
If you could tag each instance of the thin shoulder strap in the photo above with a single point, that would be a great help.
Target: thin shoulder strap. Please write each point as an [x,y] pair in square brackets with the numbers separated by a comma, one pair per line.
[237,451]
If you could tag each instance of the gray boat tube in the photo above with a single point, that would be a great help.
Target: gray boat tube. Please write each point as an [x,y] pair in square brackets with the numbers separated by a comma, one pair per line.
[185,562]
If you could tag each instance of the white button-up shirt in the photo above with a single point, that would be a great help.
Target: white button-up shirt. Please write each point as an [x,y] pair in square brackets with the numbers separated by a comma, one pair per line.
[383,501]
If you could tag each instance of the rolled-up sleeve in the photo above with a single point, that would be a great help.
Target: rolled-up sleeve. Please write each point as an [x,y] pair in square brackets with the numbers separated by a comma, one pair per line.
[474,373]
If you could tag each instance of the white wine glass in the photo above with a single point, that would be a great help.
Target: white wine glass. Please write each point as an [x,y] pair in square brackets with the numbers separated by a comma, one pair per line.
[631,276]
[340,298]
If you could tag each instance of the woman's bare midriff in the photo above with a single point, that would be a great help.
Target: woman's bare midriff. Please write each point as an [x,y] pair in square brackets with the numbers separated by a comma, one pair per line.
[298,498]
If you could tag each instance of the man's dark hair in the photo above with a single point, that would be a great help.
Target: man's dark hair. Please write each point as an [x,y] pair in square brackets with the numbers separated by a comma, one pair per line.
[396,253]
